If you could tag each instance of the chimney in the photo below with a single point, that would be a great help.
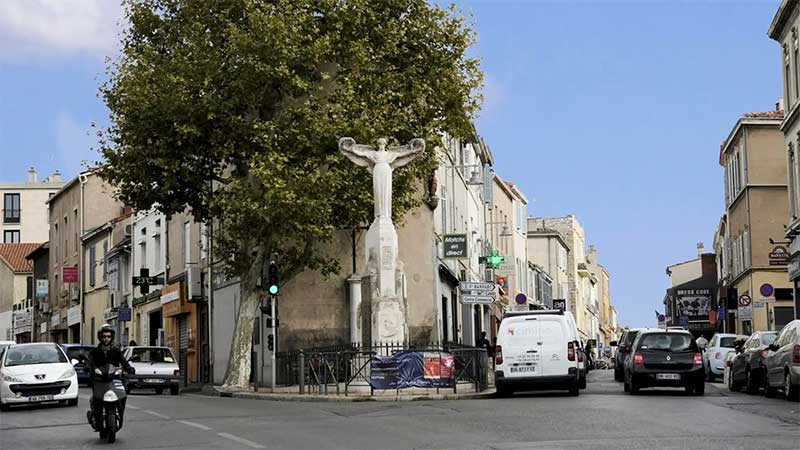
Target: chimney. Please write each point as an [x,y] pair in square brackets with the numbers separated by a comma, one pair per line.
[32,175]
[779,106]
[55,177]
[700,248]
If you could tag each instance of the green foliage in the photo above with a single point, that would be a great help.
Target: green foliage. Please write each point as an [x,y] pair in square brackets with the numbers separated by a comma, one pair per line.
[255,94]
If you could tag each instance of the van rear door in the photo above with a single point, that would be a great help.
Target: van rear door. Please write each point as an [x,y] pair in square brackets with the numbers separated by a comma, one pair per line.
[521,353]
[553,342]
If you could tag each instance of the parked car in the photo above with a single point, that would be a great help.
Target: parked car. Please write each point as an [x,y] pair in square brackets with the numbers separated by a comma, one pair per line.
[747,366]
[36,373]
[79,352]
[536,350]
[156,368]
[623,350]
[726,374]
[716,351]
[665,358]
[582,369]
[4,344]
[782,363]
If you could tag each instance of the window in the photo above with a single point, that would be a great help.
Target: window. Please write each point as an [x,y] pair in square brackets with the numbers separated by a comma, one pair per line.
[11,210]
[92,265]
[187,239]
[11,237]
[792,182]
[105,261]
[157,253]
[796,61]
[75,224]
[787,78]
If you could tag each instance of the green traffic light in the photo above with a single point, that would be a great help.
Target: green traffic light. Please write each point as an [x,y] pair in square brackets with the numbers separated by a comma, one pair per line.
[273,289]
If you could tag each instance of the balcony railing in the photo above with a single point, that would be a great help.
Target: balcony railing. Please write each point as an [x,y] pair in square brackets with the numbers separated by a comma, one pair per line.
[11,215]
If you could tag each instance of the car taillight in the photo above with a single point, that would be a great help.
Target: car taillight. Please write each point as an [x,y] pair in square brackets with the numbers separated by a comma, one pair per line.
[698,358]
[571,351]
[718,355]
[498,354]
[177,372]
[763,353]
[638,359]
[796,354]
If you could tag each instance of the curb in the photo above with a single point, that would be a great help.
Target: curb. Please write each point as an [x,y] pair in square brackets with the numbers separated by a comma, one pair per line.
[213,391]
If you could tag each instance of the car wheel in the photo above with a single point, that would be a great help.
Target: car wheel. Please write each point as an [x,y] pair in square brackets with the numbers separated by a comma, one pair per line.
[699,389]
[574,389]
[4,407]
[688,389]
[159,391]
[790,390]
[625,386]
[174,390]
[618,375]
[709,375]
[503,392]
[582,382]
[751,382]
[634,387]
[72,402]
[731,385]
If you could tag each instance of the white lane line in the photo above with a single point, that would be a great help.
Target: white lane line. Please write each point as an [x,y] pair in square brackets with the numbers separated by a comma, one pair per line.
[194,424]
[153,413]
[240,440]
[132,407]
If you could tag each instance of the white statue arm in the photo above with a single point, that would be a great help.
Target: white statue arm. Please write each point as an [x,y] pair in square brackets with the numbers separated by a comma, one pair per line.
[357,153]
[407,153]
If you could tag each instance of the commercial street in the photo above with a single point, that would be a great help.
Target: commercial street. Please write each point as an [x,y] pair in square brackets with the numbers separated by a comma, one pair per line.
[602,417]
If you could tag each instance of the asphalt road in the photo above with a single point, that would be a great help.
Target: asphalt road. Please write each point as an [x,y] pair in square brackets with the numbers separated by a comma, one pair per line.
[602,417]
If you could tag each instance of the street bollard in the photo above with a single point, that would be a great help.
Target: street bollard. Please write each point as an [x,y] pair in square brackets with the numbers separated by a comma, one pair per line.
[301,373]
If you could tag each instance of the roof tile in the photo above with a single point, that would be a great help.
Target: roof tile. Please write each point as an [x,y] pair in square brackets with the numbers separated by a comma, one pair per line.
[13,255]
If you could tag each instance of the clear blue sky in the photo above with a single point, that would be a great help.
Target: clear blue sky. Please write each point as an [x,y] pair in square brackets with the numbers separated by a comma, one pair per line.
[612,111]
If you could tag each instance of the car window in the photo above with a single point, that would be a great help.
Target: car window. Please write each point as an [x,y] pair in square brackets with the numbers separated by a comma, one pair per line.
[34,354]
[728,342]
[666,341]
[713,342]
[768,338]
[78,353]
[158,355]
[630,337]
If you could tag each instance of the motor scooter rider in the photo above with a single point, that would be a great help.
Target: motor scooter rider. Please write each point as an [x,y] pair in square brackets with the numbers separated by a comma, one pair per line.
[105,353]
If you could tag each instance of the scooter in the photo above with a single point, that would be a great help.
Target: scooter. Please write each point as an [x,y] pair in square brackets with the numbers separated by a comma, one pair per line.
[108,393]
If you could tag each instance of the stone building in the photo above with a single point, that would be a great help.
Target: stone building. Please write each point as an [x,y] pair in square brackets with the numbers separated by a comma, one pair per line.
[25,208]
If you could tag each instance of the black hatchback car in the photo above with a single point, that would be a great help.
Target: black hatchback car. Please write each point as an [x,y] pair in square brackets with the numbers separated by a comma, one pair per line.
[623,350]
[665,359]
[79,352]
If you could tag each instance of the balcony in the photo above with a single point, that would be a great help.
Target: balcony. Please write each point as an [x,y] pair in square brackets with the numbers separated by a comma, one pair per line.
[11,215]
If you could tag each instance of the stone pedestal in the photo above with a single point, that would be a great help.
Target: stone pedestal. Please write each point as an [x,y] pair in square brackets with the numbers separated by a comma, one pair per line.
[382,255]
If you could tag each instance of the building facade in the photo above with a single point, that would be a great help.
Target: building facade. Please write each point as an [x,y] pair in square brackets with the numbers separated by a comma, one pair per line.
[548,248]
[785,29]
[690,302]
[25,217]
[16,292]
[754,254]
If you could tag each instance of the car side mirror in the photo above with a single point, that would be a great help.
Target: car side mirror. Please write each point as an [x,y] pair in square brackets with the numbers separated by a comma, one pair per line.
[774,347]
[74,361]
[613,343]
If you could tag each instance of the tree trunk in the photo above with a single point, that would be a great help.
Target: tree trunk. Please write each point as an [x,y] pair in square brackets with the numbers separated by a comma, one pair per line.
[239,360]
[238,373]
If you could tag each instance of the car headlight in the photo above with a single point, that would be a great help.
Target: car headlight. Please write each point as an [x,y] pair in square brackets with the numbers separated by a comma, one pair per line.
[110,396]
[68,374]
[10,379]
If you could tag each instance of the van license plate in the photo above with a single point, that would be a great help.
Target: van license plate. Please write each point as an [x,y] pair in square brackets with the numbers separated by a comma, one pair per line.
[668,376]
[40,398]
[523,369]
[154,380]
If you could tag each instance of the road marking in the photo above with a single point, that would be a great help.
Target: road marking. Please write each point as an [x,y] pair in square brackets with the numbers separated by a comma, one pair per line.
[132,407]
[153,413]
[240,440]
[194,424]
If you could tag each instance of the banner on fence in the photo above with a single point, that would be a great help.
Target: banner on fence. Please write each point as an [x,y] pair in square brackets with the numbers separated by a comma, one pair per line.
[413,369]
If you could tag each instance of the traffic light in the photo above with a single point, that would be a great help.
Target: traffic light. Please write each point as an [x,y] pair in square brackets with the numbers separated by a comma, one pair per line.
[272,284]
[270,342]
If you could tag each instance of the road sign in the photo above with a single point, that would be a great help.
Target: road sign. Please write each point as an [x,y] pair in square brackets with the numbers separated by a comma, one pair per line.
[123,314]
[560,303]
[759,304]
[767,290]
[505,269]
[521,299]
[745,300]
[476,286]
[476,300]
[745,312]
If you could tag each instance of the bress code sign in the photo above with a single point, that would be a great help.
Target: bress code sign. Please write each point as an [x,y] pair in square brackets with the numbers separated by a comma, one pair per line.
[455,246]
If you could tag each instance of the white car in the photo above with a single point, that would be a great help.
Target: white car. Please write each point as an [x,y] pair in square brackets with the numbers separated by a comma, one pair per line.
[536,350]
[716,353]
[156,368]
[36,373]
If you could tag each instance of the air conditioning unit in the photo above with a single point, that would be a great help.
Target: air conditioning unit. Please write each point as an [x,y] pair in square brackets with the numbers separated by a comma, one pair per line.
[128,230]
[194,284]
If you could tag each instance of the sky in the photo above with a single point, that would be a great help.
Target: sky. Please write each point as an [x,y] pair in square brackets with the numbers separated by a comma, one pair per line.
[612,111]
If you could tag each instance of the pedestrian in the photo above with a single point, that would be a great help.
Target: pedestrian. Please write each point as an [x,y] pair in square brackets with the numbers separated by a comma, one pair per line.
[132,343]
[484,343]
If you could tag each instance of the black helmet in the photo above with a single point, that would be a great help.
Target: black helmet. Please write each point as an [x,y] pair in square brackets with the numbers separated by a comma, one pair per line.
[105,328]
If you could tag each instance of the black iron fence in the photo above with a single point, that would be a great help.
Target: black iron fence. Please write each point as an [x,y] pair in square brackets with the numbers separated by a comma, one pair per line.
[343,368]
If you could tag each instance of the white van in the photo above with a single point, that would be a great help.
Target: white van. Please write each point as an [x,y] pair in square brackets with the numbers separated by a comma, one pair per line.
[580,356]
[536,350]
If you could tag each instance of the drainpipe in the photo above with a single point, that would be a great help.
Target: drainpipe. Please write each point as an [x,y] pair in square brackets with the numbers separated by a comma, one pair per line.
[83,178]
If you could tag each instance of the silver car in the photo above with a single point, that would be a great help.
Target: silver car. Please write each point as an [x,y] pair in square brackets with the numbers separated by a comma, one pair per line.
[783,363]
[156,368]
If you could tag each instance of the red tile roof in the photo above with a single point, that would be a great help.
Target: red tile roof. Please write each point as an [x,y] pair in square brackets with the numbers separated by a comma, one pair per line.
[765,115]
[13,255]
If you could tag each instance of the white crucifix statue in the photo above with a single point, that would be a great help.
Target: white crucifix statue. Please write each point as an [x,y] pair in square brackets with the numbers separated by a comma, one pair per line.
[381,255]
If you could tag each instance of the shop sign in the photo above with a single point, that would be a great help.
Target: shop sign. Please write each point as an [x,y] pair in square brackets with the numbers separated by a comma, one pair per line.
[43,327]
[23,321]
[41,288]
[794,267]
[74,315]
[779,256]
[455,246]
[172,299]
[55,320]
[693,303]
[69,275]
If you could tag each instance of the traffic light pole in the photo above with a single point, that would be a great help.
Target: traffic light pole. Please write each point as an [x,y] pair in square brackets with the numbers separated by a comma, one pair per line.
[275,342]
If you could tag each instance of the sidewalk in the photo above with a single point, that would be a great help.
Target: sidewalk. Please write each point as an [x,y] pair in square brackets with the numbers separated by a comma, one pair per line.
[379,396]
